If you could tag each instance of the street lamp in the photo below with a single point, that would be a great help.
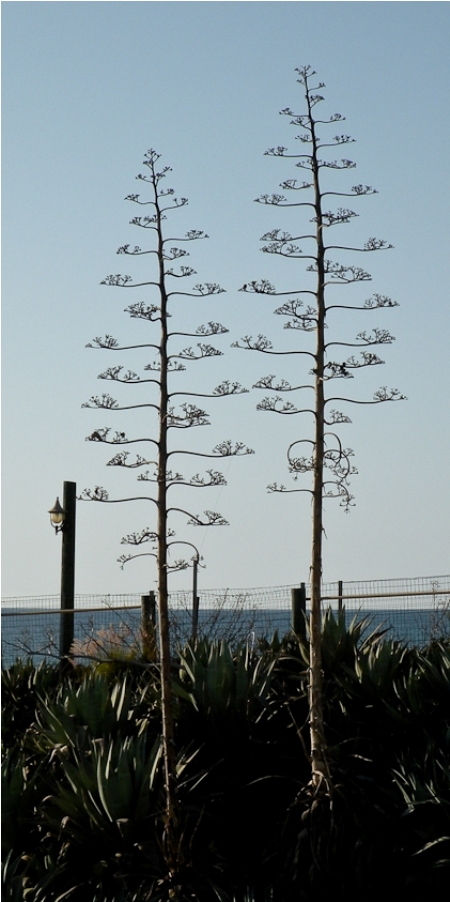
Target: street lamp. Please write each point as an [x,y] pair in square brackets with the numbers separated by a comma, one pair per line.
[62,518]
[57,515]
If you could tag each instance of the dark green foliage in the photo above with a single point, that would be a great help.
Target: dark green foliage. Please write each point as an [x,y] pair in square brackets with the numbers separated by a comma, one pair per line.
[22,685]
[83,787]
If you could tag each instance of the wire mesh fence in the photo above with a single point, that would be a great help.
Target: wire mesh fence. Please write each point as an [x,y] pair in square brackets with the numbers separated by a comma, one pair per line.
[413,610]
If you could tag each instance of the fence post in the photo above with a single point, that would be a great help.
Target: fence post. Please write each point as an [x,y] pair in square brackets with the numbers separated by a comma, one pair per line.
[195,609]
[340,594]
[298,597]
[148,625]
[67,571]
[195,598]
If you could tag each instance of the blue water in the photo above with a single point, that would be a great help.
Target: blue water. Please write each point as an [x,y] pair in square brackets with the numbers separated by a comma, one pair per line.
[36,635]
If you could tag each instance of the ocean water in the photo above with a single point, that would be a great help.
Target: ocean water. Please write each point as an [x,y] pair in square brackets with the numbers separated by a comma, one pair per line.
[30,634]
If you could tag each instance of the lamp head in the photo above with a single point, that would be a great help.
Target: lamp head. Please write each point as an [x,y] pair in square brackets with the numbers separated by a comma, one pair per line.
[57,514]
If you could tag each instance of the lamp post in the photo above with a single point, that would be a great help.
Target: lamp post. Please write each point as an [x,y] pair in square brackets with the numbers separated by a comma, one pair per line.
[63,520]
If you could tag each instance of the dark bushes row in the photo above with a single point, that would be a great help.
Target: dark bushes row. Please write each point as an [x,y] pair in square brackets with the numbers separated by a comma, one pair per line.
[83,789]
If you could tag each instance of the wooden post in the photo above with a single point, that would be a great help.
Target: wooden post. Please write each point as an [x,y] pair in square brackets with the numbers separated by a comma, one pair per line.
[195,600]
[148,625]
[299,611]
[340,593]
[196,605]
[68,571]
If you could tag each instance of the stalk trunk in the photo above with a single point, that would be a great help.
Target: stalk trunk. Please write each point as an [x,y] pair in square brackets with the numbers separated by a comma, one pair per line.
[317,736]
[172,818]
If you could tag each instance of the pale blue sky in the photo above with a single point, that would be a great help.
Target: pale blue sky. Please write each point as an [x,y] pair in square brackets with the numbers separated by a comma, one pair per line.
[87,89]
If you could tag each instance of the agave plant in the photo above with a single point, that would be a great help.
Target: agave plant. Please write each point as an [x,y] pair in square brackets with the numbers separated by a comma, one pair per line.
[108,789]
[218,683]
[23,685]
[91,710]
[424,784]
[16,802]
[233,714]
[98,814]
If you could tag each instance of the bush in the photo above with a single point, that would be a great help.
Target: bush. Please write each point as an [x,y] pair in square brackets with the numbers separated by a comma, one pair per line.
[83,788]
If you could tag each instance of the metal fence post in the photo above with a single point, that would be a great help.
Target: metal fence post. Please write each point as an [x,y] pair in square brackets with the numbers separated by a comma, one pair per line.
[298,597]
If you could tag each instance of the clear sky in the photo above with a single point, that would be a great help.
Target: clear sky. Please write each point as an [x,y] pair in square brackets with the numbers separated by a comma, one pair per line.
[87,89]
